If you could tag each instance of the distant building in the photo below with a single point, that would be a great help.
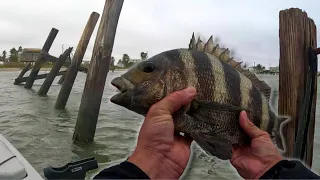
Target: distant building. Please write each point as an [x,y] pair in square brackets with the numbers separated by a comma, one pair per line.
[29,54]
[251,68]
[274,69]
[135,60]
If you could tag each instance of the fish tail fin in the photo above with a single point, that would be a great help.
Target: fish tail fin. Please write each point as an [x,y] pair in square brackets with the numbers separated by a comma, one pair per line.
[223,54]
[279,137]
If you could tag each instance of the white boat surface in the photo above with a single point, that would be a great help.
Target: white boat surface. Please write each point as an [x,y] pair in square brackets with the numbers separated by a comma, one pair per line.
[13,165]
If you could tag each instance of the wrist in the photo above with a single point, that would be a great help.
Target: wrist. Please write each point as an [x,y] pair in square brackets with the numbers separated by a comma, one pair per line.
[275,161]
[147,161]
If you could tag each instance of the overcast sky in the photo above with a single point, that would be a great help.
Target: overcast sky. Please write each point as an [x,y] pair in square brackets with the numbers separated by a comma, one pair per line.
[249,27]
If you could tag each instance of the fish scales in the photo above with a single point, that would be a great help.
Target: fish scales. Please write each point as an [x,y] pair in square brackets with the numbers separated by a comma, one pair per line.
[204,75]
[210,77]
[264,115]
[189,67]
[212,118]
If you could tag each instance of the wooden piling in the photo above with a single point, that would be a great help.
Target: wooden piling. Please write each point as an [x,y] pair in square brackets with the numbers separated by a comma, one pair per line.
[310,137]
[296,34]
[61,79]
[41,76]
[76,62]
[96,77]
[46,47]
[53,72]
[25,69]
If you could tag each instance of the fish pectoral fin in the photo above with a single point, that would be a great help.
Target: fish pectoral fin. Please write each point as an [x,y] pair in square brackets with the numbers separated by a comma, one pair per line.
[215,146]
[203,105]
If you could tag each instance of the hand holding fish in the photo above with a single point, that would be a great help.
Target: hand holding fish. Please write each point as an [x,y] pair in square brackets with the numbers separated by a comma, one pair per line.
[253,161]
[160,153]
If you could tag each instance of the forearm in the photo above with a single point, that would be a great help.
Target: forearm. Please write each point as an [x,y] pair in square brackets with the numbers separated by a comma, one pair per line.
[124,170]
[289,170]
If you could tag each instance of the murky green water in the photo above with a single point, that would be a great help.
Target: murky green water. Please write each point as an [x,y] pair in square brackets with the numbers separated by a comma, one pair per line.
[43,135]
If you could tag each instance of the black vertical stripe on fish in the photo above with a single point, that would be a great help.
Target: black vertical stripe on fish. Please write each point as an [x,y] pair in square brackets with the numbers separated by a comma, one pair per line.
[174,56]
[256,105]
[177,69]
[272,120]
[204,74]
[232,80]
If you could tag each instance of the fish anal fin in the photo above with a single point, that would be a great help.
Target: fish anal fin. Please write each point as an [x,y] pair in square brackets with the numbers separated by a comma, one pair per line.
[215,146]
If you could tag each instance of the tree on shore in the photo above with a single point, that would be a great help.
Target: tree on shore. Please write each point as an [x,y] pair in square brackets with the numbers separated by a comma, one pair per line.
[13,57]
[144,55]
[259,68]
[112,67]
[4,55]
[125,60]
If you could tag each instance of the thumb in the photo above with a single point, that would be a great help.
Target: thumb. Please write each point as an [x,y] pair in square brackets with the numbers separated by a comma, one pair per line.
[174,101]
[249,128]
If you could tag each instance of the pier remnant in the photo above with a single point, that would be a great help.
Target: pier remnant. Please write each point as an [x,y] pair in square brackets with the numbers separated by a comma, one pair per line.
[53,72]
[61,79]
[46,47]
[297,34]
[73,68]
[25,69]
[97,73]
[41,76]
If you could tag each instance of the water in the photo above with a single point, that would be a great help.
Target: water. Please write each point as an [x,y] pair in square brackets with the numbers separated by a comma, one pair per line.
[43,134]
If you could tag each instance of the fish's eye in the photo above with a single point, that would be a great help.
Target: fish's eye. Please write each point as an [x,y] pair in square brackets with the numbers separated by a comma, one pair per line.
[149,67]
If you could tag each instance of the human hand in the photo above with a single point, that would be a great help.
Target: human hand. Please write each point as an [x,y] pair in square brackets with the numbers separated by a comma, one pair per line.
[253,161]
[161,153]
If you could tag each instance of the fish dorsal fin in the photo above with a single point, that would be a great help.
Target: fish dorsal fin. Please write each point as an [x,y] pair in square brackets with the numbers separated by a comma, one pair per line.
[209,45]
[223,54]
[193,43]
[200,45]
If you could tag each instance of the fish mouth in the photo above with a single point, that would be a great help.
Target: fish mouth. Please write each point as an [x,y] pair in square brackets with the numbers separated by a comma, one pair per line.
[127,97]
[124,86]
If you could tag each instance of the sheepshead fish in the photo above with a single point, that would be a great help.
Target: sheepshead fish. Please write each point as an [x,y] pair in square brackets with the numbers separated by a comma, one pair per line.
[212,118]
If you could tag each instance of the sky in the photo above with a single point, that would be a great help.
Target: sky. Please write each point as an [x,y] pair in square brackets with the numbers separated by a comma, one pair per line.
[249,27]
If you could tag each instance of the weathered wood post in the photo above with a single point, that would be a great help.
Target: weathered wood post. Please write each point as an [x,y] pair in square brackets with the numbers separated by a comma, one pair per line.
[25,69]
[53,72]
[76,62]
[297,34]
[46,47]
[97,73]
[61,79]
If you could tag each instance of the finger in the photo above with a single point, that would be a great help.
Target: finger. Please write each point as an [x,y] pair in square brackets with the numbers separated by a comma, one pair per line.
[249,128]
[175,100]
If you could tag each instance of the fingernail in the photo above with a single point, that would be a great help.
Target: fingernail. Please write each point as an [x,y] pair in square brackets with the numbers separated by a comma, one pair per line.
[245,115]
[190,90]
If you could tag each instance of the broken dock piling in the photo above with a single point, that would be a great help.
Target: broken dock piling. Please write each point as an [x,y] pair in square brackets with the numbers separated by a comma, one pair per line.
[46,47]
[53,72]
[73,68]
[297,36]
[97,73]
